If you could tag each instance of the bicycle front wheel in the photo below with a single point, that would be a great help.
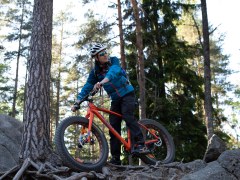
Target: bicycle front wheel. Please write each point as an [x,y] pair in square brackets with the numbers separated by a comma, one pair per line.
[78,149]
[159,142]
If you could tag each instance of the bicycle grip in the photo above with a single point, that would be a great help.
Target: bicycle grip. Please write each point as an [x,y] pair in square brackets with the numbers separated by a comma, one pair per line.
[95,91]
[76,105]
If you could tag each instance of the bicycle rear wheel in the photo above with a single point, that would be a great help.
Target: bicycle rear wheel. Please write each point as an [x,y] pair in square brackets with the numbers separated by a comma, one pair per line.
[78,150]
[159,142]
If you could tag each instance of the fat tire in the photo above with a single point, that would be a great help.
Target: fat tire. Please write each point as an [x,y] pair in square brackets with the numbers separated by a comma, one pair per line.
[166,137]
[67,158]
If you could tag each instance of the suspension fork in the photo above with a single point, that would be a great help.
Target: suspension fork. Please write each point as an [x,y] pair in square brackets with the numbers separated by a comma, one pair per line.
[89,116]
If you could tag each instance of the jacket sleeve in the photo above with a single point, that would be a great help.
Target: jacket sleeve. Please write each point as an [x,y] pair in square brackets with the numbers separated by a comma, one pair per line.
[91,80]
[114,70]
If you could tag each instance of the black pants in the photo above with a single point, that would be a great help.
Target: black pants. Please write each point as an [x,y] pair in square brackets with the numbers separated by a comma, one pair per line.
[125,106]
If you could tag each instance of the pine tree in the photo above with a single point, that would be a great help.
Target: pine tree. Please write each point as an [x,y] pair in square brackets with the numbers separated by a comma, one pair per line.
[172,86]
[207,72]
[36,141]
[233,121]
[122,50]
[219,63]
[4,88]
[59,63]
[140,60]
[19,24]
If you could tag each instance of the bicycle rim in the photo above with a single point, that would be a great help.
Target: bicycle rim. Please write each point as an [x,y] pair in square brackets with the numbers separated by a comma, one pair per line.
[78,149]
[159,142]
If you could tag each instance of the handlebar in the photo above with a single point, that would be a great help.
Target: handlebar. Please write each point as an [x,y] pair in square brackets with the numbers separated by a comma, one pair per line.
[86,97]
[92,93]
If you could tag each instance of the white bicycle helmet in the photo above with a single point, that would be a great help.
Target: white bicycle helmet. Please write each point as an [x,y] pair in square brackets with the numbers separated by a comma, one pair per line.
[96,48]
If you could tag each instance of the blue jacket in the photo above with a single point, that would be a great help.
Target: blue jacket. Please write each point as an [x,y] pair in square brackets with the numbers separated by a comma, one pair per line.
[118,84]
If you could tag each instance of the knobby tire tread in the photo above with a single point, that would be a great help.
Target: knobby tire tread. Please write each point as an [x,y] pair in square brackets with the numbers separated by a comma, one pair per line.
[167,139]
[66,157]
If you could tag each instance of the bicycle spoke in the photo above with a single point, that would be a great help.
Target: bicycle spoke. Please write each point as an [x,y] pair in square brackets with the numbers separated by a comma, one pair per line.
[158,141]
[79,148]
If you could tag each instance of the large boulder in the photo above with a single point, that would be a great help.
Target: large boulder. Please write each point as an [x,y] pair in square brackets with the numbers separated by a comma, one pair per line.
[215,148]
[227,166]
[10,140]
[213,171]
[230,160]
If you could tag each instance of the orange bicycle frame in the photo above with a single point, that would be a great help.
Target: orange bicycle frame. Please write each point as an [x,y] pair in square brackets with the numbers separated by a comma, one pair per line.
[93,110]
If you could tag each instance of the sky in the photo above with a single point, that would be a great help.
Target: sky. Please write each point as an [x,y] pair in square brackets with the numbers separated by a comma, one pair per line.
[224,14]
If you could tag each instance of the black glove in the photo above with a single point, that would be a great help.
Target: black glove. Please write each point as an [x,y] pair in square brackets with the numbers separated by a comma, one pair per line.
[76,106]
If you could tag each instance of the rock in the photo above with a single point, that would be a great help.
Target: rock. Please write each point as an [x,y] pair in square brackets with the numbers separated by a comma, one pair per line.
[193,166]
[213,171]
[10,139]
[230,160]
[215,147]
[227,167]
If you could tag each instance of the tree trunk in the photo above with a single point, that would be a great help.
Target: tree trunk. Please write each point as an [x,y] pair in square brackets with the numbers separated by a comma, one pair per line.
[122,52]
[207,71]
[141,73]
[36,141]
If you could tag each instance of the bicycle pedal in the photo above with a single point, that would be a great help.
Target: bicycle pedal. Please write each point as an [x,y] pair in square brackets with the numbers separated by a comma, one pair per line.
[143,151]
